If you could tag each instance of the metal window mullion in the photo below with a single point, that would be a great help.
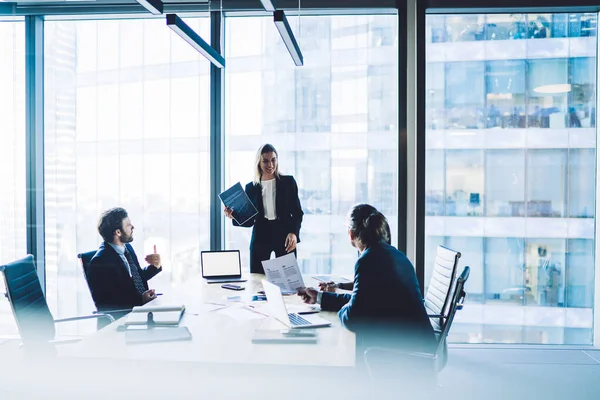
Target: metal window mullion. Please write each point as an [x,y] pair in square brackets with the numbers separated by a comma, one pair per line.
[403,101]
[420,95]
[34,139]
[217,142]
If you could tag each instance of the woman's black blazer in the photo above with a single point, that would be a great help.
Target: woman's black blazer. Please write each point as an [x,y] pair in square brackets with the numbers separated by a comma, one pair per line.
[287,204]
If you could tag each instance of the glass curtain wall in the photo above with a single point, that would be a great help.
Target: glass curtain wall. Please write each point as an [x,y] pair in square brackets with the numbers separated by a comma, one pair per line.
[510,170]
[13,223]
[333,122]
[126,125]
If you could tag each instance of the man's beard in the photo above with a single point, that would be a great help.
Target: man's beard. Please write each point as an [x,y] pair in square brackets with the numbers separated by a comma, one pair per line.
[127,238]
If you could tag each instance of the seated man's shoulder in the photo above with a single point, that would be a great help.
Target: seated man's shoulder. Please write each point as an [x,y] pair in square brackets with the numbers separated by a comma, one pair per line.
[99,257]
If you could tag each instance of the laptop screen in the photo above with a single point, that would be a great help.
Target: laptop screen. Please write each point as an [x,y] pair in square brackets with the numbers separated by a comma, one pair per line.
[220,263]
[275,302]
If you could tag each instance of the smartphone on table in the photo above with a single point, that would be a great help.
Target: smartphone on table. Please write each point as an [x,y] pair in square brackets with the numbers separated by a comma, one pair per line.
[232,287]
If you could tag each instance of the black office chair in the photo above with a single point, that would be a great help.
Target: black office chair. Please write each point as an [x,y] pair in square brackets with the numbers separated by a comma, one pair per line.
[33,317]
[386,366]
[85,263]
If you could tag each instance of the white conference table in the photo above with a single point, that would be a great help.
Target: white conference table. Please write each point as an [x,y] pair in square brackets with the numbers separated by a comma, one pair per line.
[222,336]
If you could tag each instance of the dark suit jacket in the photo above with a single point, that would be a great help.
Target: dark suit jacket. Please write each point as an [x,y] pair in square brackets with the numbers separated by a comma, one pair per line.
[386,307]
[112,287]
[287,204]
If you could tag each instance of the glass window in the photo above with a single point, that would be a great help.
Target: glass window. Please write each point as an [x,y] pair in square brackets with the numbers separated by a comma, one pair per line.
[465,97]
[436,29]
[465,28]
[435,182]
[505,183]
[582,98]
[333,122]
[436,96]
[580,273]
[546,183]
[314,98]
[545,272]
[583,25]
[582,167]
[464,182]
[383,95]
[314,180]
[505,26]
[505,94]
[540,26]
[128,130]
[505,270]
[548,93]
[13,223]
[510,169]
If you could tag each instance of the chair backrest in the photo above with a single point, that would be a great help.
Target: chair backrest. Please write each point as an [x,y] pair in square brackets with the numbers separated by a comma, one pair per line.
[34,320]
[85,262]
[458,296]
[440,286]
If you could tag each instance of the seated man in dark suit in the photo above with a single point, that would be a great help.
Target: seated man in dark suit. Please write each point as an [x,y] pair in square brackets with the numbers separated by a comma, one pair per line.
[386,307]
[115,277]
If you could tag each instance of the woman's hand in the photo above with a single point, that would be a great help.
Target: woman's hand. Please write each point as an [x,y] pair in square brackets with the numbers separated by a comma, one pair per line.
[290,242]
[228,212]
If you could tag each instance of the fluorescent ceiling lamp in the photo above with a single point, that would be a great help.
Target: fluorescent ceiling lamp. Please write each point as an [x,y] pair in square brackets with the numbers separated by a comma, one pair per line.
[287,35]
[553,89]
[154,6]
[268,5]
[190,36]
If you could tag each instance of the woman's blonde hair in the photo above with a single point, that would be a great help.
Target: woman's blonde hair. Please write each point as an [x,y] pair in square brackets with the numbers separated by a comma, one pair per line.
[265,148]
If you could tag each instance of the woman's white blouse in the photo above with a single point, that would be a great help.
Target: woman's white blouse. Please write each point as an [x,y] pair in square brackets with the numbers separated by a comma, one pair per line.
[268,197]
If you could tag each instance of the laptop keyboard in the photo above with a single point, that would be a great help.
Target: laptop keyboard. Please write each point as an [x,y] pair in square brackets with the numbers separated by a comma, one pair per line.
[297,320]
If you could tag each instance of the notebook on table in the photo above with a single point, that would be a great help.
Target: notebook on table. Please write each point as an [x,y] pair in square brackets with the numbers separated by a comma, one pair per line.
[160,315]
[221,266]
[157,335]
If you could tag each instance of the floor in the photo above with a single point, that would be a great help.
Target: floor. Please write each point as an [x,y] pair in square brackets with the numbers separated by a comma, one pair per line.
[472,372]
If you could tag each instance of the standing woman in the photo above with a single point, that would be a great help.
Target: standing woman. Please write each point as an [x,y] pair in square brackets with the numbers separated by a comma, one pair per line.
[275,196]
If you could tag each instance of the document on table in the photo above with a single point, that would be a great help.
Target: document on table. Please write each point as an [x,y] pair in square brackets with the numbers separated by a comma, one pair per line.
[284,272]
[236,198]
[241,313]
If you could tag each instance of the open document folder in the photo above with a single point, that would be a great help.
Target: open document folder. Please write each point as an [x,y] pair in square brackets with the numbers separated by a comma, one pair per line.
[160,315]
[284,272]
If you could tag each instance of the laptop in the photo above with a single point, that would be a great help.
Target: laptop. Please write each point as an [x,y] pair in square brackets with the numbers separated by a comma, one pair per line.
[278,310]
[221,266]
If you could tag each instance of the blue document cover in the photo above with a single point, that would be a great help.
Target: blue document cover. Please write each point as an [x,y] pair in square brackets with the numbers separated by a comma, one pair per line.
[236,198]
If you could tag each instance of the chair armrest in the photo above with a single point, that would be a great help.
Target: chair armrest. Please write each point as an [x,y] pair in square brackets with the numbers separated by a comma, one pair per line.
[124,310]
[94,316]
[436,316]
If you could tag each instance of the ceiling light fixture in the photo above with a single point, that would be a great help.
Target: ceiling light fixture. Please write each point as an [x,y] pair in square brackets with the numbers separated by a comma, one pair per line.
[190,36]
[287,35]
[154,6]
[268,5]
